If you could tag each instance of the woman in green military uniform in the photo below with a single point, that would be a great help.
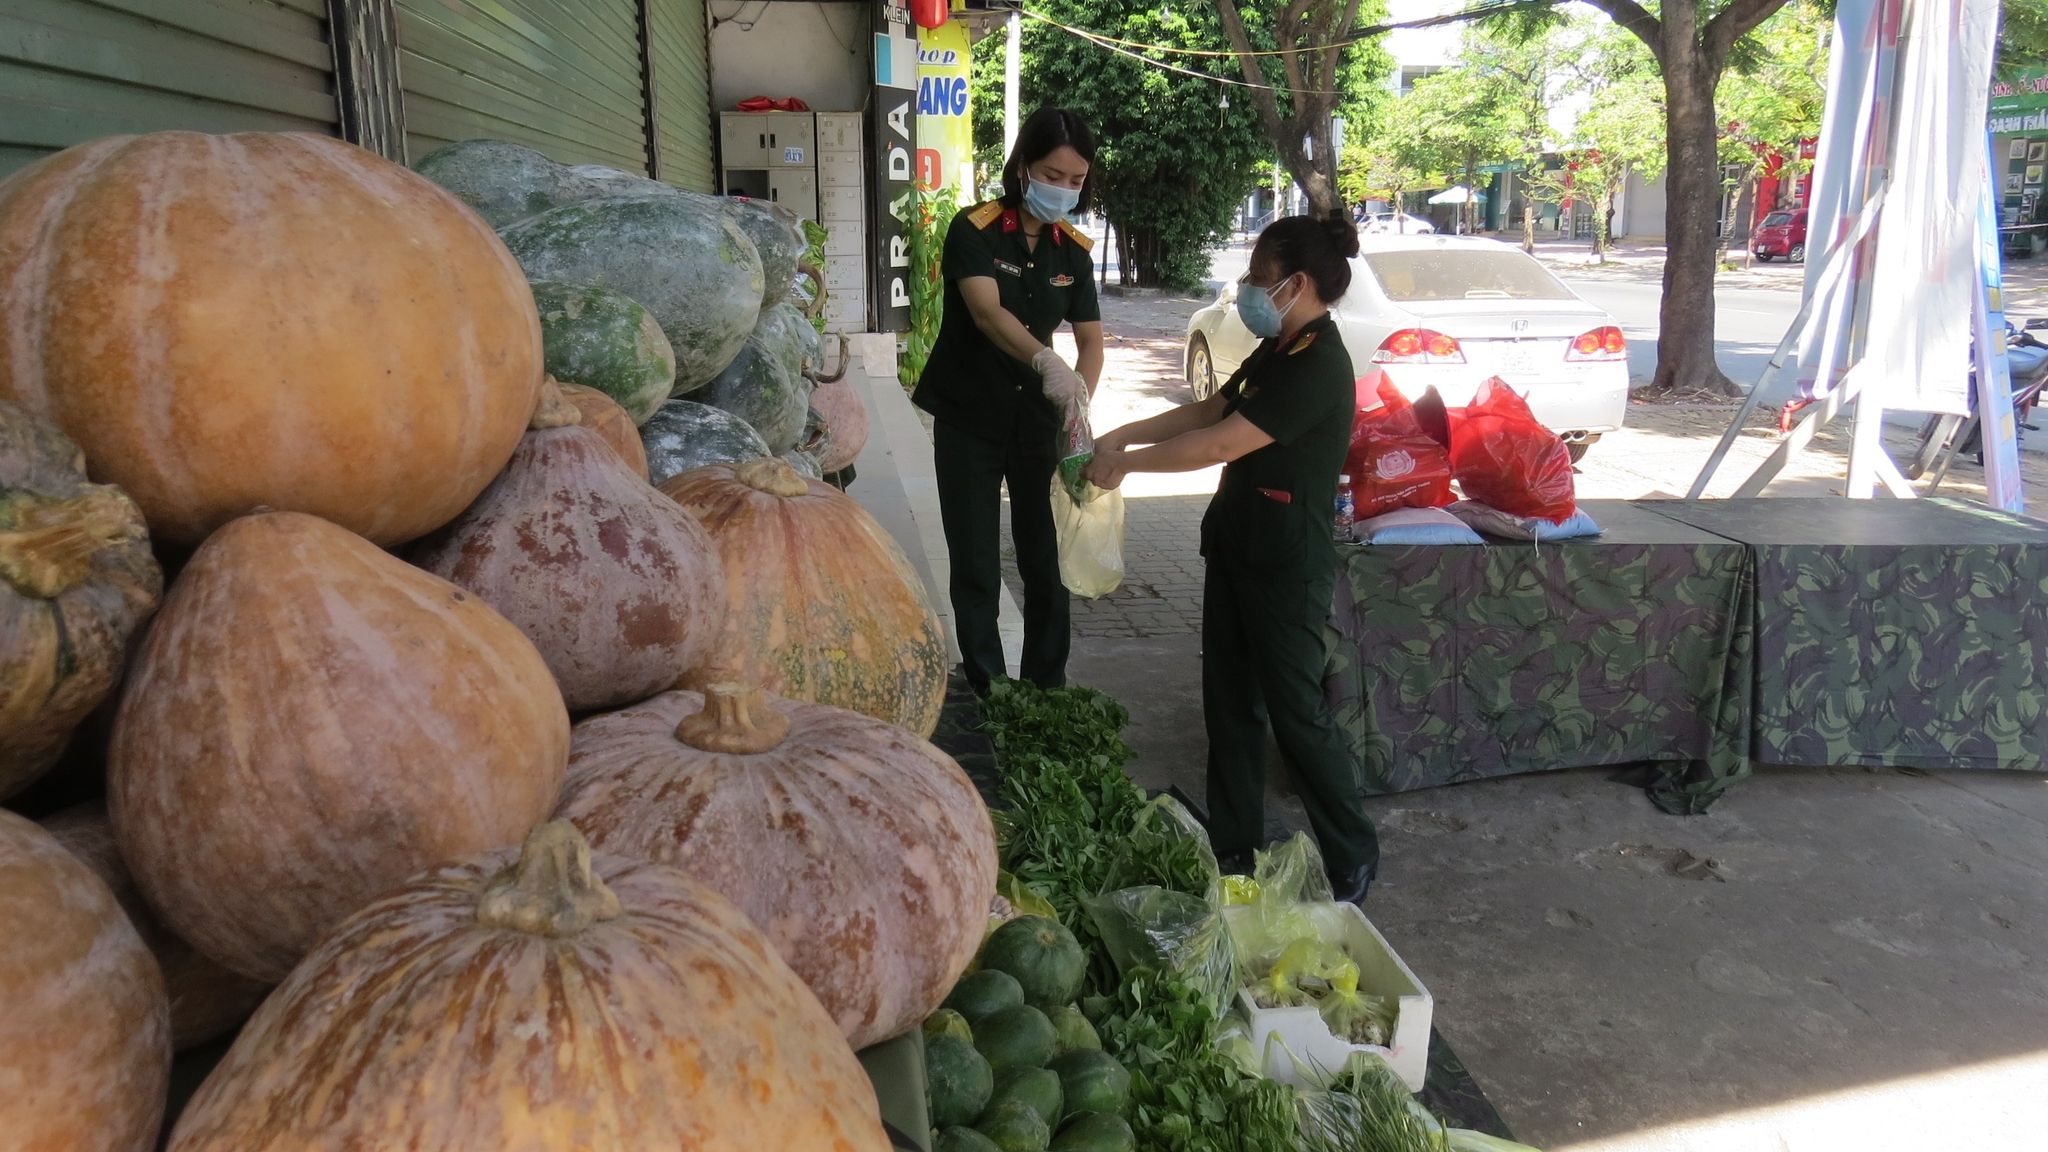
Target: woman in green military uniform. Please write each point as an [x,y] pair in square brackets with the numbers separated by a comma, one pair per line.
[1280,427]
[1015,270]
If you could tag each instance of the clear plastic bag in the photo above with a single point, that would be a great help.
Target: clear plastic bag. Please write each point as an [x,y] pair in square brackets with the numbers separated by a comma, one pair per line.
[1169,848]
[1466,1140]
[1285,881]
[1091,537]
[1353,1016]
[1153,927]
[1077,447]
[1366,1108]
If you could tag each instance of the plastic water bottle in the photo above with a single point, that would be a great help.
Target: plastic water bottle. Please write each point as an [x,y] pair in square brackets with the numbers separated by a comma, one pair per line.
[1345,509]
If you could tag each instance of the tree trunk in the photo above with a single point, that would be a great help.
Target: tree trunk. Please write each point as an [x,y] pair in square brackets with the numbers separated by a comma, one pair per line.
[1692,192]
[1528,223]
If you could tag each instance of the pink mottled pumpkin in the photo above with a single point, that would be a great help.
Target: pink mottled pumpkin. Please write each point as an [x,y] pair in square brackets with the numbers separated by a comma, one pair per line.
[846,416]
[311,721]
[542,1001]
[85,1030]
[207,1000]
[862,851]
[619,588]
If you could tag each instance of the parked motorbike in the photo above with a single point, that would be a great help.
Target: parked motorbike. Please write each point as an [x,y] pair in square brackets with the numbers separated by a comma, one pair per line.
[2027,357]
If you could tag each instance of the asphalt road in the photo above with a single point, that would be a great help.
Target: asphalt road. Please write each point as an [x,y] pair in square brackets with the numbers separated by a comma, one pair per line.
[1748,324]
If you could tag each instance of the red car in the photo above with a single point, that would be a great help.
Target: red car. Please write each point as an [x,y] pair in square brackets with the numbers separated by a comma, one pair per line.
[1781,234]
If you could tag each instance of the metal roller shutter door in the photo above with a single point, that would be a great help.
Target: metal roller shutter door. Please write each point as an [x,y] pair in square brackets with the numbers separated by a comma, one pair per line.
[682,93]
[560,76]
[73,70]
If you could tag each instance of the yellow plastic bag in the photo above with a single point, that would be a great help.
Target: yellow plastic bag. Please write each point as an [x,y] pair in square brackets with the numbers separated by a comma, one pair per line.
[1091,539]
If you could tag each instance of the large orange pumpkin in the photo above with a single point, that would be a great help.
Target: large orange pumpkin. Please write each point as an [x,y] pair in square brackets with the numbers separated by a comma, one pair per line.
[76,579]
[311,721]
[863,852]
[561,1004]
[620,589]
[280,320]
[822,604]
[602,415]
[85,1031]
[207,1000]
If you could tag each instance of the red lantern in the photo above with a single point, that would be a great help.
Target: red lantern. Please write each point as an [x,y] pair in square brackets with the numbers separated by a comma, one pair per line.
[929,13]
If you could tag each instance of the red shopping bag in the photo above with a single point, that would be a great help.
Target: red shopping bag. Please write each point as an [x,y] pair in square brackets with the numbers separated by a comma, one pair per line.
[1503,458]
[1393,463]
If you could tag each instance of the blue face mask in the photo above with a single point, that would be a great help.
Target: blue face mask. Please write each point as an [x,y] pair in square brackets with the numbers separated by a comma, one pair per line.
[1049,202]
[1262,317]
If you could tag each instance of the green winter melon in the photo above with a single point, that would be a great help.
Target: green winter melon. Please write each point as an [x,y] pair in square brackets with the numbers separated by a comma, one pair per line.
[505,183]
[1096,1132]
[957,1081]
[765,384]
[778,235]
[1071,1031]
[600,339]
[983,994]
[1044,957]
[806,465]
[683,436]
[1019,1037]
[1038,1087]
[1015,1127]
[680,255]
[946,1022]
[1092,1081]
[964,1140]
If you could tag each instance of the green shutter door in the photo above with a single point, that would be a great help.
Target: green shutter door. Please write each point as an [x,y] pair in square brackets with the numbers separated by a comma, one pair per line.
[682,93]
[73,70]
[559,76]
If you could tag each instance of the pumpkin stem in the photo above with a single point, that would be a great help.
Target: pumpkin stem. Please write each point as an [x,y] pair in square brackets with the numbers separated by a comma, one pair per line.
[47,546]
[554,410]
[552,890]
[736,721]
[771,475]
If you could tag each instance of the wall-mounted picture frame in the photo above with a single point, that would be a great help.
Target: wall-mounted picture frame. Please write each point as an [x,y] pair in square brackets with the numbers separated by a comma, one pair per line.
[2034,172]
[2019,150]
[2012,182]
[2027,206]
[2037,152]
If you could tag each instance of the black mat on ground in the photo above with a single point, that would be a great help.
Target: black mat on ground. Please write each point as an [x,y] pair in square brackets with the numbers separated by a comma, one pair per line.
[1448,1089]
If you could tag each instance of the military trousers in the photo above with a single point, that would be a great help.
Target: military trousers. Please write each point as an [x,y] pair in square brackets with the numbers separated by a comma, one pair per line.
[1264,650]
[971,472]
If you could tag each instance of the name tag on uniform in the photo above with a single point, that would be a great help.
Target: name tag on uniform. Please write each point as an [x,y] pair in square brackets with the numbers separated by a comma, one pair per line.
[1012,269]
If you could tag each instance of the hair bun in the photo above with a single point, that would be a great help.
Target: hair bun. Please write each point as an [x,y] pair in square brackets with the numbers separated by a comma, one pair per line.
[1342,233]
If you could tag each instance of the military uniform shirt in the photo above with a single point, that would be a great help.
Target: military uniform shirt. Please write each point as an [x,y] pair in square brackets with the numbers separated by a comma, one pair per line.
[970,382]
[1275,506]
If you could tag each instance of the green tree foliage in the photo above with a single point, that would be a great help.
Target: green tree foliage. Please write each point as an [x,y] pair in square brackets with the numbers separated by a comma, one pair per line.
[1173,164]
[1777,98]
[985,106]
[1299,92]
[1621,131]
[2023,37]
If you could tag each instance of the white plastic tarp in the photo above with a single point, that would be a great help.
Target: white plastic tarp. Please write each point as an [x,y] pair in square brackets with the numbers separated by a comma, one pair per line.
[1924,274]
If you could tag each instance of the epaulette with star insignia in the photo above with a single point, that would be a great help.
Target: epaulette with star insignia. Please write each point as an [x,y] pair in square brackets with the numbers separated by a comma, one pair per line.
[986,214]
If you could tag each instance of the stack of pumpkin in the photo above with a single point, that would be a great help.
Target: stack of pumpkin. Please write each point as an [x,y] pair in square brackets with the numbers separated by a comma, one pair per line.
[680,307]
[341,779]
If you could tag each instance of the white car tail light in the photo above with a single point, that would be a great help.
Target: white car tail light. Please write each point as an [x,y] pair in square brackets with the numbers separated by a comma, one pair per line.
[1600,344]
[1418,346]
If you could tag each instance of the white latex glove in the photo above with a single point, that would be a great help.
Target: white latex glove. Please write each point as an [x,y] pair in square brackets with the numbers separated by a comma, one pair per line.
[1062,386]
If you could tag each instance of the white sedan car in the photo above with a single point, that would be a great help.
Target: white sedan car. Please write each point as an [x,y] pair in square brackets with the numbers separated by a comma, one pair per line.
[1449,312]
[1396,223]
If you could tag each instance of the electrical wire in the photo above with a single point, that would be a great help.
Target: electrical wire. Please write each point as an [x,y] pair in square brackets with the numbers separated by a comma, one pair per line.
[1475,12]
[1104,42]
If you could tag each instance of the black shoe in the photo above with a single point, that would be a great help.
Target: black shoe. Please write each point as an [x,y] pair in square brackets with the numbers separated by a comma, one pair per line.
[1235,864]
[1350,888]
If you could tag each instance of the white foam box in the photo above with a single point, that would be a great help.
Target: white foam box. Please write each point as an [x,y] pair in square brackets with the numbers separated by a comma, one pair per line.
[1381,972]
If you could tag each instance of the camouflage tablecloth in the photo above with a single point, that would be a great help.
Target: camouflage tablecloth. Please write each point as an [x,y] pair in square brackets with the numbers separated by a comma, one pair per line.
[1459,663]
[1905,633]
